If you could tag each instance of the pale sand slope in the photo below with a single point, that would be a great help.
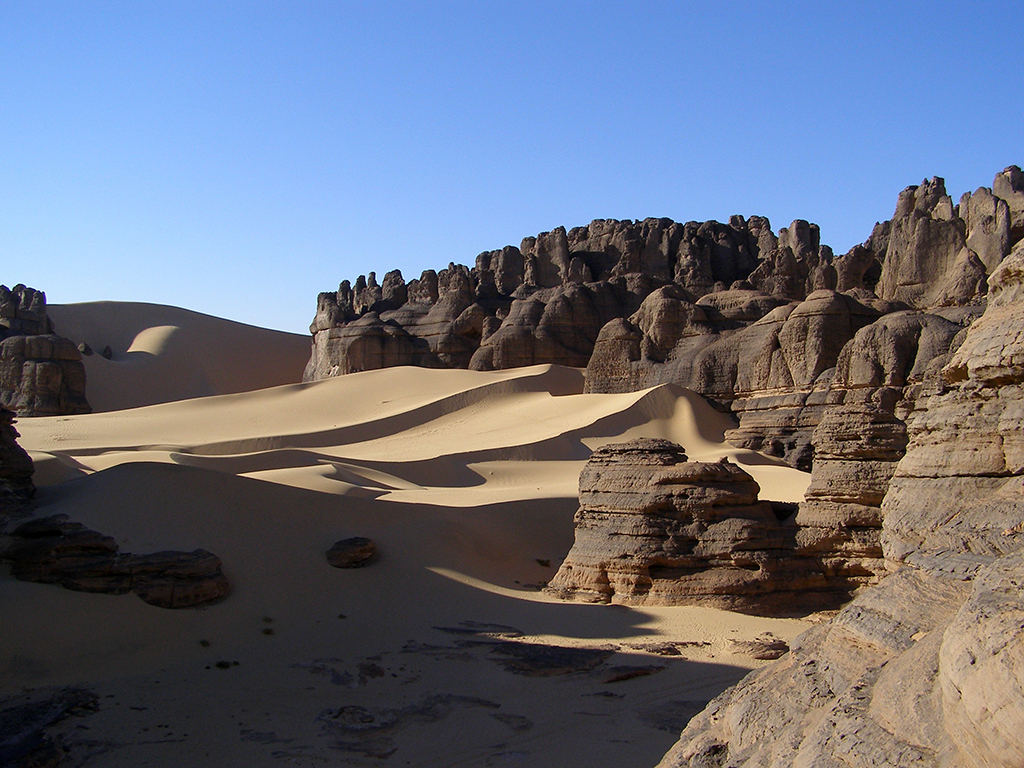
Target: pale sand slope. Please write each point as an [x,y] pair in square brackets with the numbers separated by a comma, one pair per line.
[163,353]
[466,480]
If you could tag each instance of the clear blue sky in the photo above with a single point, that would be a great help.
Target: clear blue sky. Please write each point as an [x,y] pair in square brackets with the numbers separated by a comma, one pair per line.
[238,158]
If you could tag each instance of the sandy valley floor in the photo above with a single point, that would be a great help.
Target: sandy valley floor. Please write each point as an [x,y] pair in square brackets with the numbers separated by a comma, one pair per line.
[442,652]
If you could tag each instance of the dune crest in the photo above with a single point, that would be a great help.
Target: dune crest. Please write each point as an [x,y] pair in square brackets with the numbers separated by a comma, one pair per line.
[463,438]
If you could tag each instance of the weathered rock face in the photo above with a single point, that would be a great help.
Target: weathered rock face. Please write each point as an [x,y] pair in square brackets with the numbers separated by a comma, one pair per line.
[365,344]
[871,333]
[653,527]
[959,488]
[1009,186]
[926,253]
[856,449]
[41,374]
[860,690]
[546,301]
[923,669]
[559,325]
[54,550]
[780,373]
[776,374]
[23,311]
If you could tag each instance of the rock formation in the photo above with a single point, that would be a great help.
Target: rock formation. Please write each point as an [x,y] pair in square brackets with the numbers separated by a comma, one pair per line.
[54,550]
[15,467]
[41,373]
[653,527]
[905,295]
[926,261]
[923,669]
[856,450]
[775,329]
[543,302]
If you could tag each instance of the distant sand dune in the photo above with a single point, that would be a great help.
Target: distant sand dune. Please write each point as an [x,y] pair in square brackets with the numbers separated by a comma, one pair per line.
[163,353]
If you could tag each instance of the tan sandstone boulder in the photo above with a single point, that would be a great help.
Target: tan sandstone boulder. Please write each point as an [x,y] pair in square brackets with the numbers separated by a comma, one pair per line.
[653,527]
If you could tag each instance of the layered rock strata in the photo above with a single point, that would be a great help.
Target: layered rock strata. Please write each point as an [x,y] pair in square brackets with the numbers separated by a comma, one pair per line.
[54,550]
[653,527]
[41,373]
[923,669]
[856,451]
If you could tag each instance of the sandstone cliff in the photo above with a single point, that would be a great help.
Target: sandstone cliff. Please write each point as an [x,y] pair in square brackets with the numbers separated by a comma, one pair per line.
[923,669]
[41,373]
[868,330]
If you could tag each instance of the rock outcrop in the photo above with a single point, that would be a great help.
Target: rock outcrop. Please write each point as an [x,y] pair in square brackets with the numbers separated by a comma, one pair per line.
[15,468]
[41,373]
[773,328]
[866,334]
[926,262]
[354,552]
[547,300]
[54,550]
[923,669]
[653,527]
[856,450]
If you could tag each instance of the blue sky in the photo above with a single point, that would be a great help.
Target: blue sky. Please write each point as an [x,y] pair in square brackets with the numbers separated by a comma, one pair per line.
[238,158]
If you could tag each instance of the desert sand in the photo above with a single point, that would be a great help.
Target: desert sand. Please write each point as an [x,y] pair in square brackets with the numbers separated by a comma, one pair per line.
[441,652]
[161,353]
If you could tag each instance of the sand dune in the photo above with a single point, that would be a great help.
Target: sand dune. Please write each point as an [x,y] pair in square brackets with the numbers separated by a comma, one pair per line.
[162,353]
[461,437]
[466,480]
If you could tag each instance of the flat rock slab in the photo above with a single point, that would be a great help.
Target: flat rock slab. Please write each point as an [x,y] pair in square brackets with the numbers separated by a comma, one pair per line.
[352,553]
